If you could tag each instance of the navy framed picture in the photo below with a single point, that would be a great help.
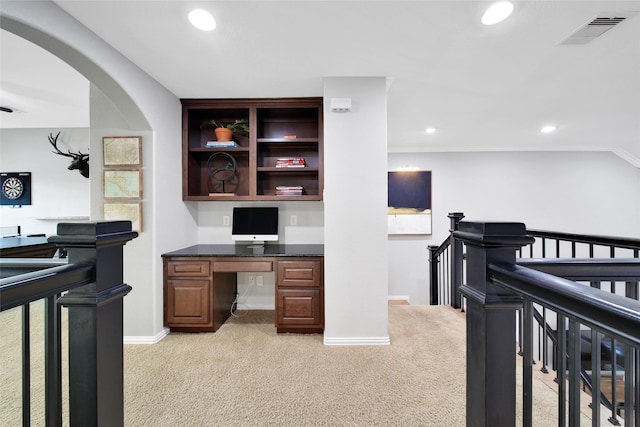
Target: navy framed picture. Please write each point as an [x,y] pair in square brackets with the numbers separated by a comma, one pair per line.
[409,207]
[15,188]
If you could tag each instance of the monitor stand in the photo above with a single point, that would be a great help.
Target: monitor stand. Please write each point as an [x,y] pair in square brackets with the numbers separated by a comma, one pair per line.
[257,248]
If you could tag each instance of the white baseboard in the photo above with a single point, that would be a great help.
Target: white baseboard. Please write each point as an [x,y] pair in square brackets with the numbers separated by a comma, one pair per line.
[256,307]
[146,339]
[399,298]
[357,340]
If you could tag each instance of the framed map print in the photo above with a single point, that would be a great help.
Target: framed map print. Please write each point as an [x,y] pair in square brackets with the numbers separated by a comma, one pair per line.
[122,151]
[122,184]
[125,211]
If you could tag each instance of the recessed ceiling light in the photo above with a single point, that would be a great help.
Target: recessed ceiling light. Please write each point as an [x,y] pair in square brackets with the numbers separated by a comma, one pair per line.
[430,130]
[202,20]
[548,129]
[497,12]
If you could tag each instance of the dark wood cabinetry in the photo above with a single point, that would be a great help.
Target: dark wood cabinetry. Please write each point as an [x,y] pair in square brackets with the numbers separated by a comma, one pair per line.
[300,296]
[278,128]
[199,291]
[191,302]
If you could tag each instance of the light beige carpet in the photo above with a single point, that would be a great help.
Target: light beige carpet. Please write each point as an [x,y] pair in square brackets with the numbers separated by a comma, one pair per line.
[247,375]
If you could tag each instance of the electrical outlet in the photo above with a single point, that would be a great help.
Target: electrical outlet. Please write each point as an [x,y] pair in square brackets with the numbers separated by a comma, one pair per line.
[293,219]
[259,281]
[225,220]
[252,280]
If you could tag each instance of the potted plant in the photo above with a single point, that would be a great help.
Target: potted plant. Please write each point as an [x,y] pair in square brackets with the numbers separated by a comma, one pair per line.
[225,132]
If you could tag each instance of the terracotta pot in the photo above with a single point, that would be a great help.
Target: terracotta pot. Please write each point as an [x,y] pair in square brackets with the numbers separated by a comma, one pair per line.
[224,134]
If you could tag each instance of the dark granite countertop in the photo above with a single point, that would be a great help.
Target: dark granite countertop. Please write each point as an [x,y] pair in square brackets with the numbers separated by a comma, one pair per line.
[247,250]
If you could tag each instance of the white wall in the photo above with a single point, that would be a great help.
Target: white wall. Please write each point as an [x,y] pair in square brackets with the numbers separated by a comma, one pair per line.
[57,194]
[355,198]
[145,106]
[580,192]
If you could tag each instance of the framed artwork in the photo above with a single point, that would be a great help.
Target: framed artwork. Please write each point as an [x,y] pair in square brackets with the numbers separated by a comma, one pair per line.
[124,211]
[122,184]
[122,151]
[409,207]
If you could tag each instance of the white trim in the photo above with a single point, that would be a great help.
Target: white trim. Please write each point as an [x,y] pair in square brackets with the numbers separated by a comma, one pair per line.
[399,298]
[242,306]
[357,340]
[146,339]
[620,152]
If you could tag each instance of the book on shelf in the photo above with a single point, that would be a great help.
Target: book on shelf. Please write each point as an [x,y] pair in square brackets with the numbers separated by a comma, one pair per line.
[286,190]
[291,162]
[221,144]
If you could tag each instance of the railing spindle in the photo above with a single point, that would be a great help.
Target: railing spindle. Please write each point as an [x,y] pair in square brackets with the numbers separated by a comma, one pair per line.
[545,344]
[527,362]
[596,355]
[629,376]
[26,366]
[561,361]
[574,373]
[53,361]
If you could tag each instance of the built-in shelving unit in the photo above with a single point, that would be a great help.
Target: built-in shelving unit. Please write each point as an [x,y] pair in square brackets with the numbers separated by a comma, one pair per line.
[278,129]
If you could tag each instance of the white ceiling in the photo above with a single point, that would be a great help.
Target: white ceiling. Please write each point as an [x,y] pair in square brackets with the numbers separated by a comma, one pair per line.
[483,88]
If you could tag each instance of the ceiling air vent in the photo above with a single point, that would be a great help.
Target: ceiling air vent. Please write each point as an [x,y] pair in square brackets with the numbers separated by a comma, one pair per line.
[597,27]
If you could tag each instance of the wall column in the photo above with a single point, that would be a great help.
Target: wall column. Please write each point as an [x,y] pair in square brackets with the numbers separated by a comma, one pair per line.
[355,212]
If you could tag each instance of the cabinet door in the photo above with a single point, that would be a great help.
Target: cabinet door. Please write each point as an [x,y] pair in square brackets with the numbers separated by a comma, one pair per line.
[188,302]
[306,274]
[298,308]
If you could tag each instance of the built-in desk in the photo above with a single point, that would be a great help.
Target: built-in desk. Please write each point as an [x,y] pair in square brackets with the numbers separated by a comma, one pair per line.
[200,285]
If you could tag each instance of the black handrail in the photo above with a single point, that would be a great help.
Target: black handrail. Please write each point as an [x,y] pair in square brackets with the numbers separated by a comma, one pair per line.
[35,285]
[606,312]
[612,241]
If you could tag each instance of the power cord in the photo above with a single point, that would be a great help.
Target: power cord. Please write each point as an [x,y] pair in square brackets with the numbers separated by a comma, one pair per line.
[237,303]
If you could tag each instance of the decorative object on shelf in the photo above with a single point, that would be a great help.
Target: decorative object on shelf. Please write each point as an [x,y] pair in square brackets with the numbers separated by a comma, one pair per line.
[125,211]
[80,161]
[16,188]
[409,207]
[122,151]
[122,184]
[220,144]
[286,190]
[291,162]
[222,171]
[225,132]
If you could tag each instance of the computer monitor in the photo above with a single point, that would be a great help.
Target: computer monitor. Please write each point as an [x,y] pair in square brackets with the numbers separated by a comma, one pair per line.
[255,224]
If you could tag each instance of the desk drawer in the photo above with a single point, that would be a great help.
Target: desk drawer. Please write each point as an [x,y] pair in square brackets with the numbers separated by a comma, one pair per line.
[195,268]
[299,274]
[243,266]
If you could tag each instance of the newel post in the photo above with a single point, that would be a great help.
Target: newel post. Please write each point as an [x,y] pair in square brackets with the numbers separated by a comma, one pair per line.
[456,260]
[433,275]
[95,322]
[491,323]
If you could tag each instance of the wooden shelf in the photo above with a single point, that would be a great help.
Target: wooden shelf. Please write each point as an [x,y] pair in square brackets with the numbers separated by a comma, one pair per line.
[270,120]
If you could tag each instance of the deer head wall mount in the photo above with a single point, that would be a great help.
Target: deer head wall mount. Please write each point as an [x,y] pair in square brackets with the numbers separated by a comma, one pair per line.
[80,161]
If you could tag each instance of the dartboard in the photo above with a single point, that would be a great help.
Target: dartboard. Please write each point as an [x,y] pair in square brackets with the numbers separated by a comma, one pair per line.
[12,188]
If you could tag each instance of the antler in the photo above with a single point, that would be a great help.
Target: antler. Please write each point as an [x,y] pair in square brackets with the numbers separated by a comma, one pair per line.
[54,142]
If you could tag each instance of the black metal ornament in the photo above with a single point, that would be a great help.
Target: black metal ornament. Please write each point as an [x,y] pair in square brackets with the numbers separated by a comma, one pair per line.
[224,173]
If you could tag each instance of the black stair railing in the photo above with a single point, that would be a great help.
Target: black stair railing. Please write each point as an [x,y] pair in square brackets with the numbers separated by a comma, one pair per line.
[446,268]
[497,288]
[89,284]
